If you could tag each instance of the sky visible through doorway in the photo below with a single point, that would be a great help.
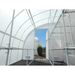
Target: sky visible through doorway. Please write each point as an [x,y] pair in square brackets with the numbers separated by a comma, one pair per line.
[41,35]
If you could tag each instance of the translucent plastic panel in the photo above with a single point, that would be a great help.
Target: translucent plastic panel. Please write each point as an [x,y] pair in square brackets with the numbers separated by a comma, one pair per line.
[23,28]
[50,44]
[72,18]
[66,20]
[64,52]
[16,43]
[9,29]
[14,57]
[19,55]
[59,12]
[5,18]
[73,29]
[58,41]
[54,44]
[36,43]
[35,52]
[62,42]
[28,54]
[56,19]
[51,27]
[29,44]
[73,33]
[47,49]
[69,39]
[29,39]
[71,52]
[64,57]
[9,57]
[41,16]
[61,22]
[5,41]
[24,54]
[47,35]
[56,30]
[56,35]
[18,21]
[3,55]
[50,56]
[34,12]
[53,13]
[69,35]
[18,11]
[71,60]
[45,26]
[58,55]
[41,22]
[1,35]
[31,54]
[21,44]
[11,45]
[27,32]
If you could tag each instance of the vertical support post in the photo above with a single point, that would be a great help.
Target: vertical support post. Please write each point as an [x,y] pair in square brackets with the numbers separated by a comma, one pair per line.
[10,56]
[52,51]
[65,40]
[10,37]
[52,47]
[34,45]
[48,44]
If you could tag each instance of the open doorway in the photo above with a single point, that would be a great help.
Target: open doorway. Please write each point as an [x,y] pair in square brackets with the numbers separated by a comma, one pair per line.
[40,39]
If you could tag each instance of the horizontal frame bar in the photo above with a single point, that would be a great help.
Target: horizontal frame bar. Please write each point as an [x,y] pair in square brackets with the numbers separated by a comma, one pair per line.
[11,36]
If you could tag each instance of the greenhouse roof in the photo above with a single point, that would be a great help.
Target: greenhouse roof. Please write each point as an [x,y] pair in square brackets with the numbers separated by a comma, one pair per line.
[25,21]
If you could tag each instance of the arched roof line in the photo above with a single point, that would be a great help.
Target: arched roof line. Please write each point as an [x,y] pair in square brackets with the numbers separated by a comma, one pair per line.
[49,16]
[31,31]
[33,16]
[26,29]
[30,17]
[26,20]
[9,25]
[29,26]
[19,27]
[40,13]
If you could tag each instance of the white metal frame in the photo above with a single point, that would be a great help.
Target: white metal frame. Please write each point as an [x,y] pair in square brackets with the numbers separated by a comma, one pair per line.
[33,23]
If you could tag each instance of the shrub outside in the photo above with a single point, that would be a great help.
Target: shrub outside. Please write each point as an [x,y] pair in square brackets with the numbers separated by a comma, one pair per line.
[39,50]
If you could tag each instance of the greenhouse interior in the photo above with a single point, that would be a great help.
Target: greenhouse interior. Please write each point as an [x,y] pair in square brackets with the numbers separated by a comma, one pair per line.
[18,44]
